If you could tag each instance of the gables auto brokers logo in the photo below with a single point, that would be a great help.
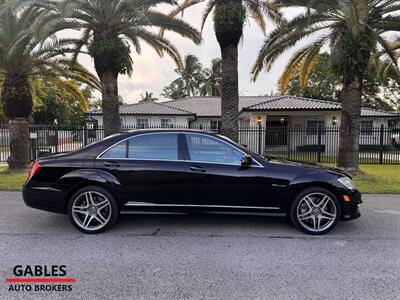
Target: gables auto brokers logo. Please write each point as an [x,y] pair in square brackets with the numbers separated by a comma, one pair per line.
[40,278]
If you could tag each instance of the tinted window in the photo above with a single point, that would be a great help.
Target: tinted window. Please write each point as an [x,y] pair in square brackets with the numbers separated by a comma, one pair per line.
[118,151]
[154,146]
[208,149]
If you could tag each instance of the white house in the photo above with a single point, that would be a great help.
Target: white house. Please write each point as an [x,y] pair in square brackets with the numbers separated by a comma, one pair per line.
[280,112]
[269,110]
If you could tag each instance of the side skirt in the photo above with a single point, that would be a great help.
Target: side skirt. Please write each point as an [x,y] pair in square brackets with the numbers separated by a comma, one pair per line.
[153,208]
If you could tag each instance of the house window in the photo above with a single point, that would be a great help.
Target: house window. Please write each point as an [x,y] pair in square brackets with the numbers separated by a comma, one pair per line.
[142,123]
[366,127]
[215,125]
[166,123]
[313,125]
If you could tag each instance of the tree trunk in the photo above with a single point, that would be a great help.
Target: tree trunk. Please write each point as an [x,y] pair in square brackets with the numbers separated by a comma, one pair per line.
[19,144]
[110,103]
[350,124]
[17,97]
[230,93]
[229,16]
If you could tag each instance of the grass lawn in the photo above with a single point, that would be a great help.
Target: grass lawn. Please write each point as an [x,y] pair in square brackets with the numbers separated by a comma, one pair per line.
[4,149]
[377,179]
[11,181]
[368,158]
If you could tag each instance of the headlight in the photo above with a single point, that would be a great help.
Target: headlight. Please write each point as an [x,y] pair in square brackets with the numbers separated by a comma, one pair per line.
[347,183]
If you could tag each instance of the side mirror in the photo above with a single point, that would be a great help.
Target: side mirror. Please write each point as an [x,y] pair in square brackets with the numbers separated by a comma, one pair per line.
[246,161]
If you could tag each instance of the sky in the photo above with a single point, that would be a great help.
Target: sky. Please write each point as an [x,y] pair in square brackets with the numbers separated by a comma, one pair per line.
[152,73]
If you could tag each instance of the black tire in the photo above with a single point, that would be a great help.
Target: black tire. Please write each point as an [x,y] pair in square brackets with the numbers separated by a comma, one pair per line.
[98,194]
[314,192]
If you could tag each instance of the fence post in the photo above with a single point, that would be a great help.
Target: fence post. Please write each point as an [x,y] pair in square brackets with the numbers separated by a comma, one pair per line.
[56,138]
[259,139]
[33,144]
[319,143]
[85,134]
[381,145]
[288,141]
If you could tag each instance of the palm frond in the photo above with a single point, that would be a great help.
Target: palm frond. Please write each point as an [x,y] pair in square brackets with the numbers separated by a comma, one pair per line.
[160,45]
[173,24]
[209,7]
[72,89]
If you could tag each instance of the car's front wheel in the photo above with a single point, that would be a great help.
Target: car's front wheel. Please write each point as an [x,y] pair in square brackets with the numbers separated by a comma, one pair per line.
[93,209]
[315,211]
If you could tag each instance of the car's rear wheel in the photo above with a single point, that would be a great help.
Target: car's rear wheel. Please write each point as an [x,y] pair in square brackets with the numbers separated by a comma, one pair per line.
[93,209]
[315,211]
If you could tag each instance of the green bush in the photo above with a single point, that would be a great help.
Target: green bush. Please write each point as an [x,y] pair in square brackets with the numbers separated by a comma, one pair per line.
[375,148]
[310,148]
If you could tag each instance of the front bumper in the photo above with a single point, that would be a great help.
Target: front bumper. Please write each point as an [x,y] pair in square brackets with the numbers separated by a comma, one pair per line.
[350,210]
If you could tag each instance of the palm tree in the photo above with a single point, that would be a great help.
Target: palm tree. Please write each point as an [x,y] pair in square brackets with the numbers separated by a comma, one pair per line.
[109,29]
[354,30]
[174,91]
[190,75]
[147,97]
[26,54]
[229,17]
[211,84]
[388,66]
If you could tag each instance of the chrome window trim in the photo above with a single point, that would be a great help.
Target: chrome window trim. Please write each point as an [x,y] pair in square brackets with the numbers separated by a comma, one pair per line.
[176,160]
[219,139]
[131,137]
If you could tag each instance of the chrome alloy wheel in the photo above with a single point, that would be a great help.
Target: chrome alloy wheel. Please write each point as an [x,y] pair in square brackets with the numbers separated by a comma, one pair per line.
[91,210]
[316,212]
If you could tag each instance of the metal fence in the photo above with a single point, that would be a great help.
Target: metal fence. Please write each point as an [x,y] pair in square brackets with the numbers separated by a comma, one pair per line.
[378,145]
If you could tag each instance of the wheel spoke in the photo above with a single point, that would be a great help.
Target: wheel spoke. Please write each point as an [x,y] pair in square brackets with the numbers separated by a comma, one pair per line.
[79,209]
[314,223]
[100,218]
[309,202]
[305,216]
[87,220]
[89,198]
[103,204]
[325,217]
[318,223]
[325,213]
[324,202]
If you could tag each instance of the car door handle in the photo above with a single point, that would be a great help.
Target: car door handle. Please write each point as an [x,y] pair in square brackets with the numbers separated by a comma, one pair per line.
[197,169]
[111,164]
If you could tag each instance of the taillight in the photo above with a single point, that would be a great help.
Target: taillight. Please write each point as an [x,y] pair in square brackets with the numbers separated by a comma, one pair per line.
[35,168]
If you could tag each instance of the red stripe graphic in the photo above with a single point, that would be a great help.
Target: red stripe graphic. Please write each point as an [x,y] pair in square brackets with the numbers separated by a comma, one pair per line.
[32,280]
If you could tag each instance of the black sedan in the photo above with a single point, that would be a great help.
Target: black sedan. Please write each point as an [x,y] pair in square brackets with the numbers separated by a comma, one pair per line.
[185,171]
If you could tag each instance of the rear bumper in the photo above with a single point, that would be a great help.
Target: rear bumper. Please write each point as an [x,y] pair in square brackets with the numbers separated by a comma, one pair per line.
[44,198]
[351,210]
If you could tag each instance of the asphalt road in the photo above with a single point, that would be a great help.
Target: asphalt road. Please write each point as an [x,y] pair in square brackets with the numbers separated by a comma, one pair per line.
[208,256]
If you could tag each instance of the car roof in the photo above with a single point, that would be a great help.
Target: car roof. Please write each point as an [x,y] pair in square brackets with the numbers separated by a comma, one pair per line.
[183,130]
[99,146]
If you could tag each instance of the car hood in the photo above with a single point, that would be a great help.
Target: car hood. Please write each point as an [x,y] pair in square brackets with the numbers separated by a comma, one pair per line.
[308,167]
